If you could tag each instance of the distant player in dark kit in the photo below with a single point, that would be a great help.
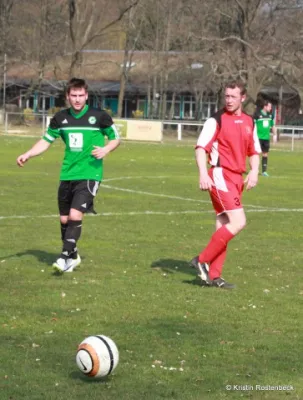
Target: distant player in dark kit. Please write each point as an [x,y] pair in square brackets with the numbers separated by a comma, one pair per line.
[83,130]
[228,137]
[265,125]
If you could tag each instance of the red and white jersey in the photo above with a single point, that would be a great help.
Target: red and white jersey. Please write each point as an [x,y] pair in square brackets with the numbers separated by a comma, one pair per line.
[229,139]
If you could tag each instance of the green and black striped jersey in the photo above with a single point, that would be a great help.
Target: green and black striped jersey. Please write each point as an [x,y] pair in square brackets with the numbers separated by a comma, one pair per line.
[80,133]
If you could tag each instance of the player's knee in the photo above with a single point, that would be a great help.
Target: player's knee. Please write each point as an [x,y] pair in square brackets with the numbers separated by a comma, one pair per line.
[238,223]
[242,224]
[75,215]
[64,219]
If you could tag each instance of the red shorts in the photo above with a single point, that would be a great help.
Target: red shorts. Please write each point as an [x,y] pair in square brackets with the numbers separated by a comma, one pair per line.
[226,195]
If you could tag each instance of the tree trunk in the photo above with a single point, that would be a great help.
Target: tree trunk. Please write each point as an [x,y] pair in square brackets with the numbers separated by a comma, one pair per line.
[155,103]
[148,99]
[123,79]
[172,107]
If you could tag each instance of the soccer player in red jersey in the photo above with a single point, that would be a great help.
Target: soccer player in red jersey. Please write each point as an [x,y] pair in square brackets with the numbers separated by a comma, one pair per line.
[228,137]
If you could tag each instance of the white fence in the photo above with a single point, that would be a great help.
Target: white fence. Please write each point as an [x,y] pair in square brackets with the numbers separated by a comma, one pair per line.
[32,124]
[290,137]
[293,132]
[180,126]
[287,133]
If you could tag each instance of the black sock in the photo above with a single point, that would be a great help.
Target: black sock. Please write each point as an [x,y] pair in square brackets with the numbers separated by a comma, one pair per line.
[264,164]
[63,230]
[72,235]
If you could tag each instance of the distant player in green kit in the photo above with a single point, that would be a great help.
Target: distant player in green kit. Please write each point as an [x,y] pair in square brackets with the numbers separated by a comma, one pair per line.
[83,130]
[265,125]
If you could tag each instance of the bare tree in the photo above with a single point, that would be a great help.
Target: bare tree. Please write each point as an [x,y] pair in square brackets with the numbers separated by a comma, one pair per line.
[85,24]
[5,19]
[132,26]
[248,40]
[5,47]
[259,41]
[35,42]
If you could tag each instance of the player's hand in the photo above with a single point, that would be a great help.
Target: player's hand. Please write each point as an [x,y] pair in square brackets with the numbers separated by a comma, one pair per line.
[99,152]
[21,160]
[251,179]
[205,182]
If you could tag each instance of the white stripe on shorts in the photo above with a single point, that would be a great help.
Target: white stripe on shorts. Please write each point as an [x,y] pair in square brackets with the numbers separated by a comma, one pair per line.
[95,188]
[219,179]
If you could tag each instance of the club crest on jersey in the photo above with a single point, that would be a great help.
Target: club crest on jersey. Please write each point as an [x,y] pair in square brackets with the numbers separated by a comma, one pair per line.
[248,130]
[92,120]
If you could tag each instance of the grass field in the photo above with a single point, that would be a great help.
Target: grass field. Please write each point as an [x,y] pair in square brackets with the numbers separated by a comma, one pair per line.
[177,340]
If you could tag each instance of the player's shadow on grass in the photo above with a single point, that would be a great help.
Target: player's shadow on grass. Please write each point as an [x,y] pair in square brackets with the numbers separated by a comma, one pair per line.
[42,256]
[171,266]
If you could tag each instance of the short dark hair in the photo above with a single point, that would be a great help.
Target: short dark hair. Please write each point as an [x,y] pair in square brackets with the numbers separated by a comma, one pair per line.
[262,101]
[236,84]
[76,83]
[265,103]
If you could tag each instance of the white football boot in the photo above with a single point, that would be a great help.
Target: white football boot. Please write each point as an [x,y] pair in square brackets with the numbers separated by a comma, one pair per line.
[59,265]
[71,264]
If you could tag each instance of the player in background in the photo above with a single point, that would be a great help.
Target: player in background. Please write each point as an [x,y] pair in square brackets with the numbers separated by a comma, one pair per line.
[265,125]
[227,138]
[83,130]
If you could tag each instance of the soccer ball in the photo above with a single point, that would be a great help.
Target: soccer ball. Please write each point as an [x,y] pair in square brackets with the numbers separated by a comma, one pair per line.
[97,356]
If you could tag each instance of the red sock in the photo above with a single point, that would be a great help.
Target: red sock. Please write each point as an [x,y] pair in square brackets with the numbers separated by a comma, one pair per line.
[216,267]
[217,244]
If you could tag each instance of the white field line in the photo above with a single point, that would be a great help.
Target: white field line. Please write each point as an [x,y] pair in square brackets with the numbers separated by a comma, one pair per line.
[135,213]
[169,196]
[123,178]
[155,194]
[132,213]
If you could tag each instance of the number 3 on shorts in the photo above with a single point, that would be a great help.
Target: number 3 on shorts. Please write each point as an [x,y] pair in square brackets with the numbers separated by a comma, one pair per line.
[237,201]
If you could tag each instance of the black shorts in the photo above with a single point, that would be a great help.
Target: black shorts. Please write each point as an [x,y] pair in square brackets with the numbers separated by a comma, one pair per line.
[78,195]
[265,144]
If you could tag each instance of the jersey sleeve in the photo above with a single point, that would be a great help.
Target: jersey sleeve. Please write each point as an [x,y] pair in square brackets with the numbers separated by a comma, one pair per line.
[53,131]
[108,127]
[208,135]
[254,144]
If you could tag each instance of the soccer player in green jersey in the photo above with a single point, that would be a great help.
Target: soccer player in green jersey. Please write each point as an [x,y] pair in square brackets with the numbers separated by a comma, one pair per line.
[265,125]
[83,130]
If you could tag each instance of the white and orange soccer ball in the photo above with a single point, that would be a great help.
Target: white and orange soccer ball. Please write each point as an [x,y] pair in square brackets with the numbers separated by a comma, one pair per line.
[97,356]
